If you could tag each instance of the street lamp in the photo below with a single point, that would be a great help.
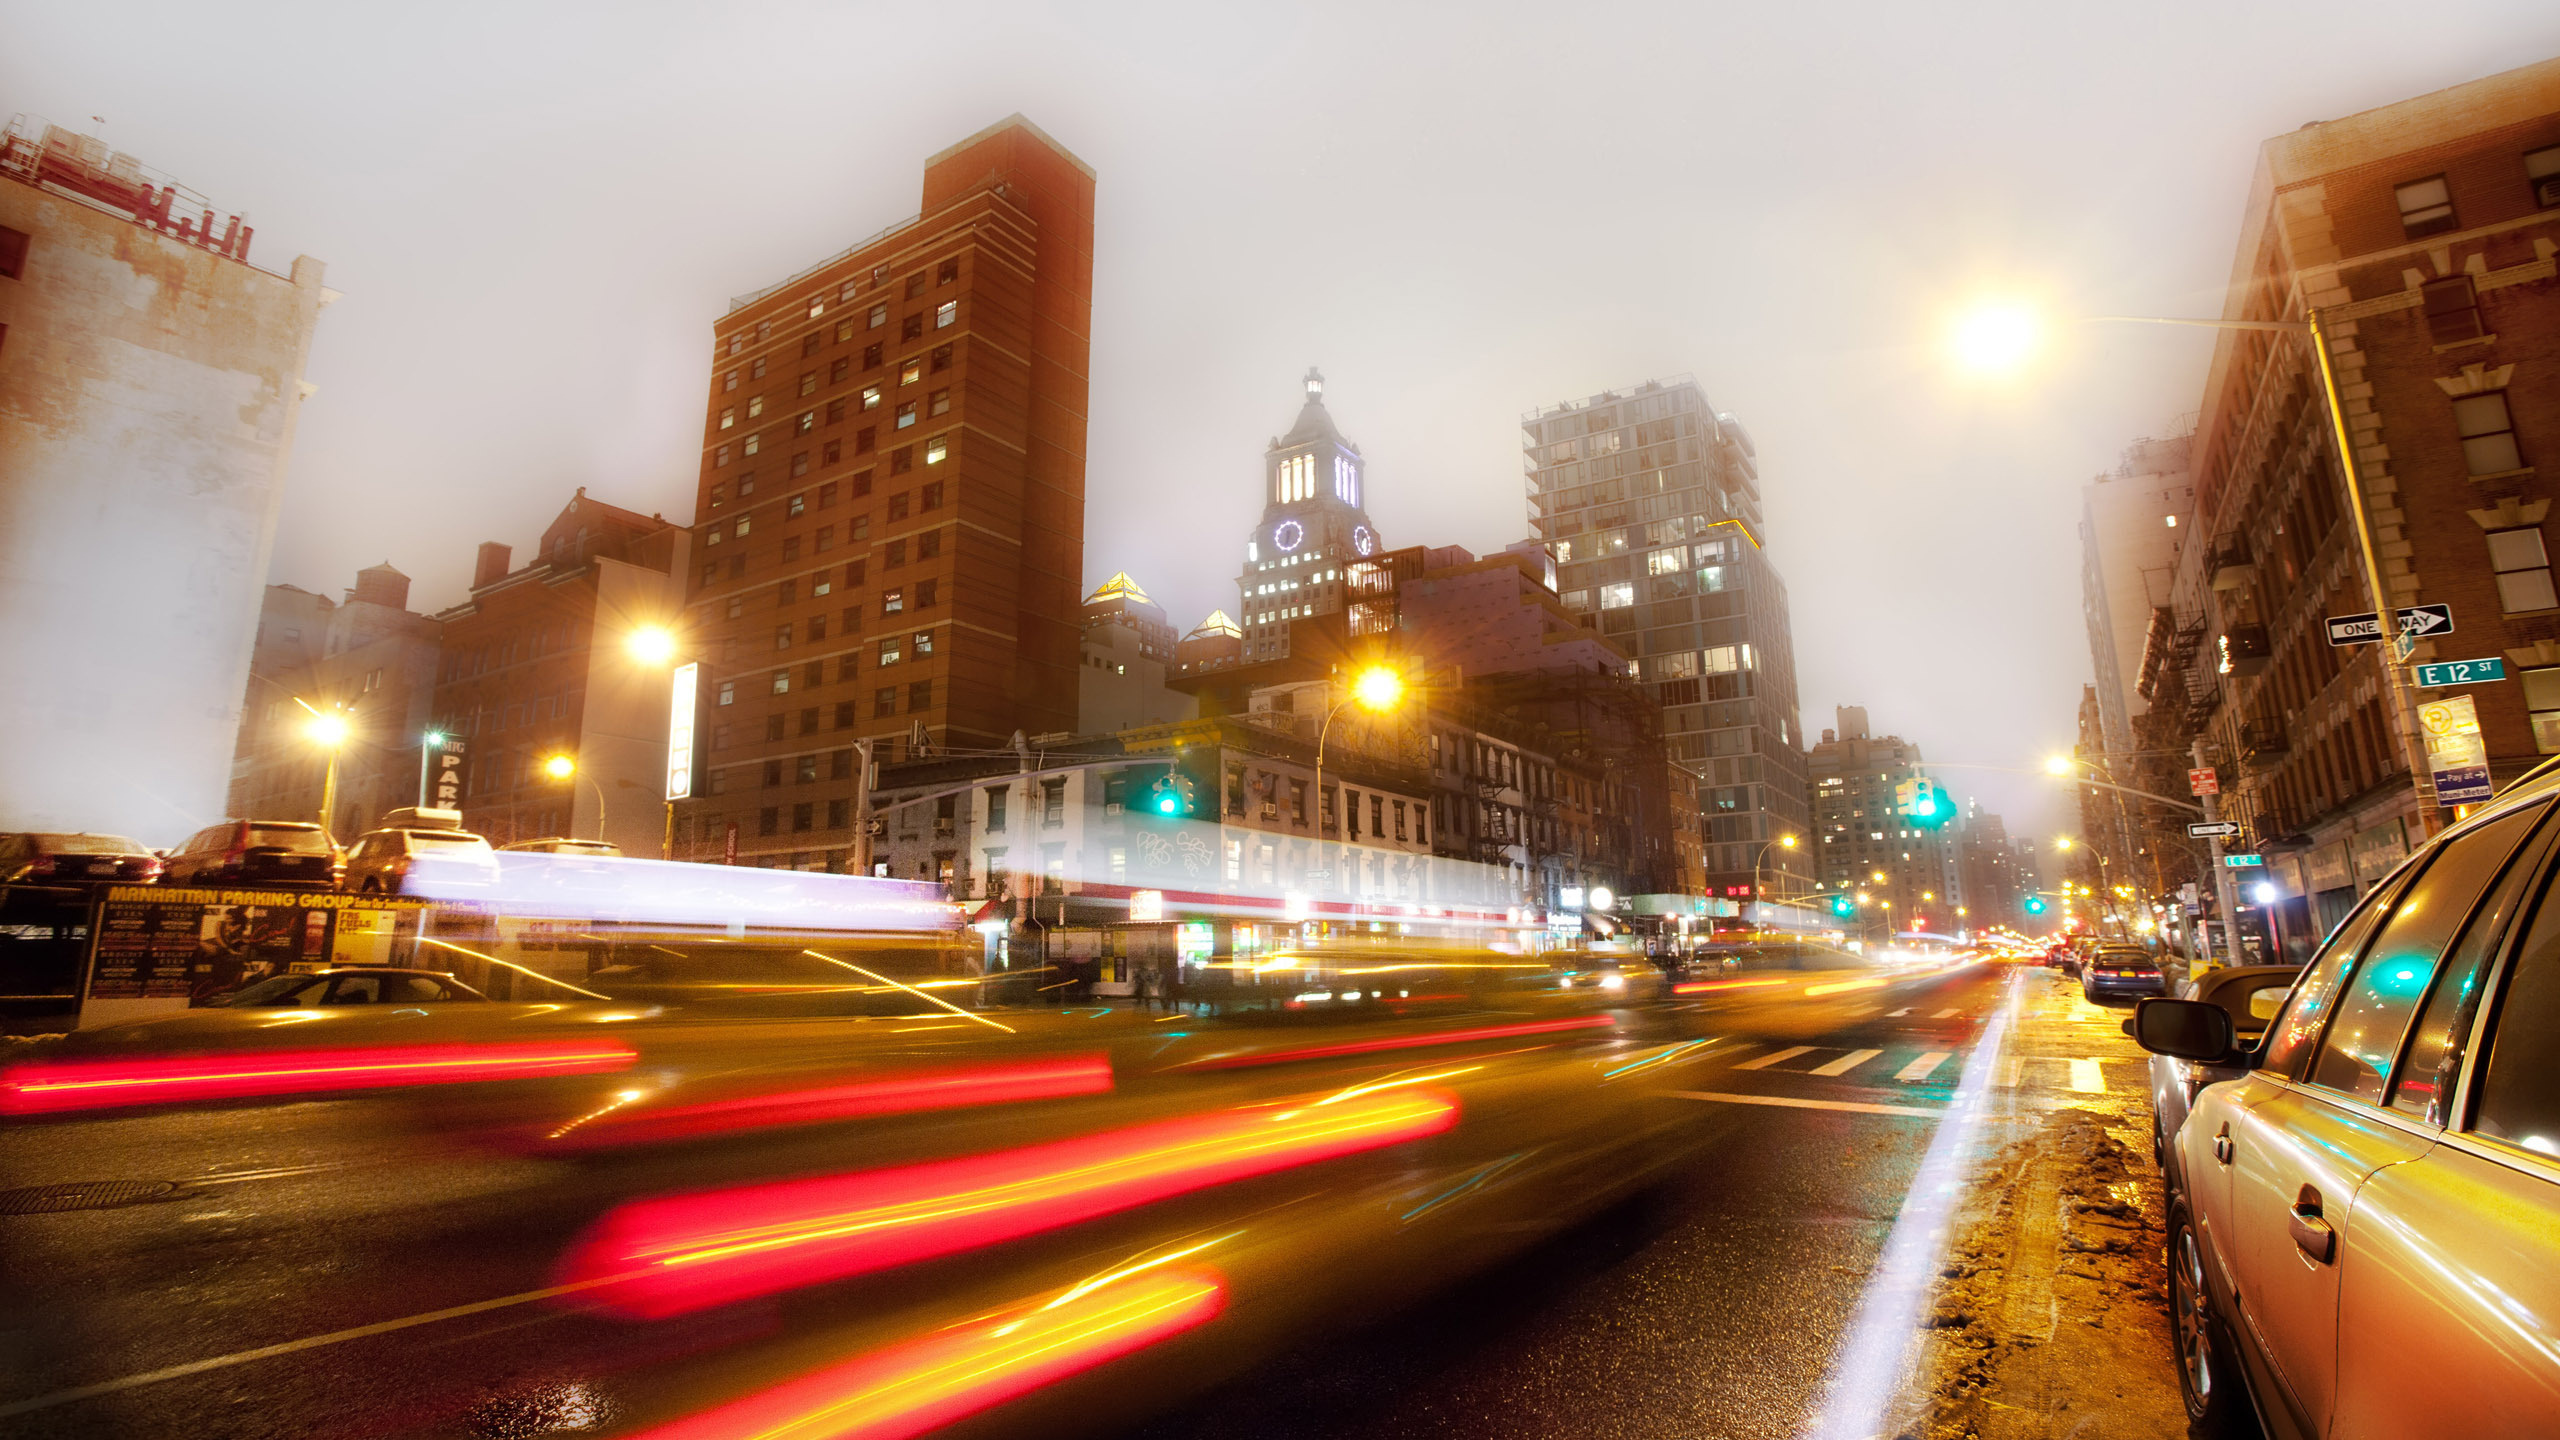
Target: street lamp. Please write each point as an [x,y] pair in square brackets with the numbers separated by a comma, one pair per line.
[1783,842]
[1377,689]
[651,644]
[563,767]
[2000,336]
[329,730]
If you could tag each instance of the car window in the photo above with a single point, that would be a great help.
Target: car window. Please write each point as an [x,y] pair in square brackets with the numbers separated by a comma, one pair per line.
[301,839]
[355,990]
[279,990]
[2519,1083]
[421,841]
[2265,1000]
[2433,1058]
[2288,1039]
[413,990]
[2374,1014]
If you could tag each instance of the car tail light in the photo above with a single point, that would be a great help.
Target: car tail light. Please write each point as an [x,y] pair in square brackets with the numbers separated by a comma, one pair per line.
[43,866]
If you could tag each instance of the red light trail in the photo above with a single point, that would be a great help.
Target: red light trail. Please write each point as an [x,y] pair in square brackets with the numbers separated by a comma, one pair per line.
[48,1087]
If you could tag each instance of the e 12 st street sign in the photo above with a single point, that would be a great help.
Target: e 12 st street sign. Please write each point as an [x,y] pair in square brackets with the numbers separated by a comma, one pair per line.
[2211,829]
[2243,862]
[2459,672]
[2415,622]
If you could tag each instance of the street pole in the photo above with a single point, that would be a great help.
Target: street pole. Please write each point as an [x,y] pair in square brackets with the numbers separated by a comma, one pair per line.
[862,807]
[423,750]
[329,793]
[2223,891]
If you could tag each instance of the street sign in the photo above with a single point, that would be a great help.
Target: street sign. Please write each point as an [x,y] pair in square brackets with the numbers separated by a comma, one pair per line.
[2460,672]
[2419,621]
[2208,829]
[2455,754]
[1146,905]
[2203,782]
[2243,862]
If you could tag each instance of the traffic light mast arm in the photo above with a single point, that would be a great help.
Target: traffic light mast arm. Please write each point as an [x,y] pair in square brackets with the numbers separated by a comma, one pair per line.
[2145,794]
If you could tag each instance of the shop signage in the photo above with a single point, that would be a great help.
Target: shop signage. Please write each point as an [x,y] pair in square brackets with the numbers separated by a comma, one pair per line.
[2455,754]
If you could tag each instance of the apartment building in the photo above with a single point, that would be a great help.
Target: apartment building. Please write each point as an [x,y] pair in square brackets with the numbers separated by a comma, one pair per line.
[2423,233]
[2130,521]
[889,525]
[1863,845]
[1649,500]
[367,659]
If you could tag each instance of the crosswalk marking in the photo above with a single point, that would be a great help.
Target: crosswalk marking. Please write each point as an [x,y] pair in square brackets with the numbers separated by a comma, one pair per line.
[1944,1015]
[1847,1063]
[1898,1014]
[1774,1057]
[2009,1072]
[1923,1067]
[2085,1076]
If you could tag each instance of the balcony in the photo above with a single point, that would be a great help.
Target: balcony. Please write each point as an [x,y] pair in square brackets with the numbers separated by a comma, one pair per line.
[2244,650]
[2231,564]
[2262,742]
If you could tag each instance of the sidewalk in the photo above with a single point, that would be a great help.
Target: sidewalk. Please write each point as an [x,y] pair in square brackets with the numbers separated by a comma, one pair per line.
[2050,1315]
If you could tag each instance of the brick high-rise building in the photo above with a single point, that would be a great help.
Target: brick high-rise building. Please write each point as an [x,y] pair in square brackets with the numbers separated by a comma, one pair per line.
[2424,233]
[889,533]
[1650,501]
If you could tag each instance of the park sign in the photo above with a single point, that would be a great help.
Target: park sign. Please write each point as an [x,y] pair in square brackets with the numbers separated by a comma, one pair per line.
[2415,622]
[2455,755]
[2459,672]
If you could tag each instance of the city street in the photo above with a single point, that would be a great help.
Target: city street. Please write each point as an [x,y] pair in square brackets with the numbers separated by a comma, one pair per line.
[306,1269]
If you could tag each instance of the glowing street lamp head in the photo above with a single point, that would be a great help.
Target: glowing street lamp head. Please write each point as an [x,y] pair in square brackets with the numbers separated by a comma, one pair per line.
[328,730]
[559,767]
[1378,688]
[1995,337]
[2061,842]
[2058,765]
[651,644]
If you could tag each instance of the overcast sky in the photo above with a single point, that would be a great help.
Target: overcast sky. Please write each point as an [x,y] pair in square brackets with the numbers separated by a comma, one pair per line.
[1459,212]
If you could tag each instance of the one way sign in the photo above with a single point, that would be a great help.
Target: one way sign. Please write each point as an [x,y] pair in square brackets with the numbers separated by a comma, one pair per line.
[2416,622]
[2207,829]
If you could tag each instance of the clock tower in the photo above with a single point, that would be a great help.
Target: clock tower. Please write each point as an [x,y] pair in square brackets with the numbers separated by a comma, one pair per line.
[1314,485]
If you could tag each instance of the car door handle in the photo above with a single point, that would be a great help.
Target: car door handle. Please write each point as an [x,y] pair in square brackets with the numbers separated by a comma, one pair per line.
[2310,1231]
[2222,1144]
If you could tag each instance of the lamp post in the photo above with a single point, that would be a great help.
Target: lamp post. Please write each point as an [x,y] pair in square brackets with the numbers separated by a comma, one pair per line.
[1783,842]
[2210,809]
[564,767]
[2002,337]
[327,729]
[1377,689]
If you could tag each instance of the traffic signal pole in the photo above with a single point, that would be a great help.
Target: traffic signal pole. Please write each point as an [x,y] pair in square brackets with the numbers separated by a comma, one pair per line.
[2225,893]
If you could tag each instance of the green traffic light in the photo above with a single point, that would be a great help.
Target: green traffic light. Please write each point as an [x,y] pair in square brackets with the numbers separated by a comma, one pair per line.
[1841,905]
[1169,803]
[2035,904]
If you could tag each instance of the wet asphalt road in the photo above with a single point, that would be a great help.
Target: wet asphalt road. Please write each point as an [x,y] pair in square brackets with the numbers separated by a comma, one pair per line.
[1711,1304]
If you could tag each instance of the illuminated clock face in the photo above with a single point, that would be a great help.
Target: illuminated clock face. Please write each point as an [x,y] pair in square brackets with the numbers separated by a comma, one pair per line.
[1362,540]
[1288,535]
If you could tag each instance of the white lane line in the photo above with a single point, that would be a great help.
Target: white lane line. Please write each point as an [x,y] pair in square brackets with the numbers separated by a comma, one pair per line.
[1944,1015]
[1924,1067]
[2085,1077]
[1898,1014]
[1774,1057]
[2009,1073]
[1847,1063]
[1790,1102]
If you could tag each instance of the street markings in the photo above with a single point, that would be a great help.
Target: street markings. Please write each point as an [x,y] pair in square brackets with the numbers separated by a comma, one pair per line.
[1922,1068]
[2009,1072]
[1847,1063]
[1774,1057]
[2086,1077]
[1898,1014]
[1945,1015]
[1790,1102]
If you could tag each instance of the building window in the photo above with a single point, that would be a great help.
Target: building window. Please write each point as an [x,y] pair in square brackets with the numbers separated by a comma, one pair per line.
[892,601]
[930,496]
[2542,703]
[2488,433]
[830,453]
[936,448]
[863,440]
[807,422]
[939,402]
[809,381]
[928,544]
[2523,568]
[912,328]
[892,651]
[810,342]
[728,416]
[728,692]
[906,414]
[902,460]
[2426,206]
[946,272]
[755,407]
[898,506]
[768,820]
[871,355]
[721,456]
[754,443]
[884,701]
[911,371]
[946,314]
[2453,311]
[2542,172]
[924,642]
[1617,597]
[870,397]
[920,695]
[755,371]
[941,358]
[782,637]
[797,504]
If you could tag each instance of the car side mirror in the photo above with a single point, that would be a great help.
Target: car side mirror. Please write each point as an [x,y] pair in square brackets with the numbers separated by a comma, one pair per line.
[2183,1029]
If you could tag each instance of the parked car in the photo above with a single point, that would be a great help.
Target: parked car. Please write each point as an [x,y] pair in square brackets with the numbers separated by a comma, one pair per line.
[2361,1227]
[54,858]
[351,985]
[271,853]
[2122,970]
[559,845]
[398,859]
[2252,994]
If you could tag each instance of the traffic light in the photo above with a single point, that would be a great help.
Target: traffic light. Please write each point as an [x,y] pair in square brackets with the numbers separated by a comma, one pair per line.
[2035,904]
[1930,806]
[1173,796]
[1842,905]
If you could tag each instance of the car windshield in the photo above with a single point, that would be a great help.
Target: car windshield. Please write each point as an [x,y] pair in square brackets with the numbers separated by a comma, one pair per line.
[445,840]
[277,990]
[304,839]
[90,845]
